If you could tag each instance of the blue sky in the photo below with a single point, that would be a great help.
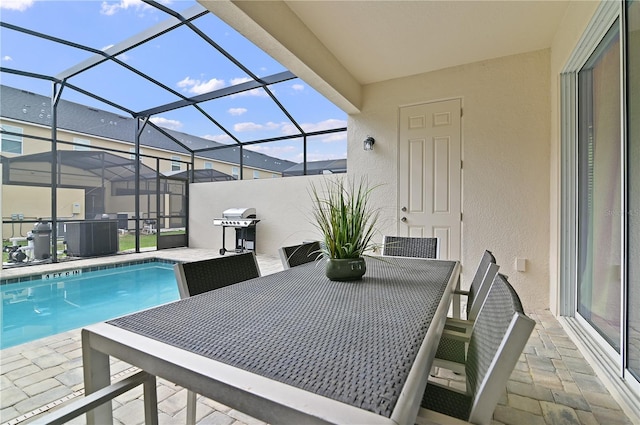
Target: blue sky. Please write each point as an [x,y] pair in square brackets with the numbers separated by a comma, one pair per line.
[180,60]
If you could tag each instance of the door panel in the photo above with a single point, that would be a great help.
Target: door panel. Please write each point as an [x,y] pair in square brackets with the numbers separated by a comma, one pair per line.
[429,180]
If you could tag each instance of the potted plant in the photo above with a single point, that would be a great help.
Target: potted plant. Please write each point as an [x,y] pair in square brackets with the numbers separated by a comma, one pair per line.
[343,213]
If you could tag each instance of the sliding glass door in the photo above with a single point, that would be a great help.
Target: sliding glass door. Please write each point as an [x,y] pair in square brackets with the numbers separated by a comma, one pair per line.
[599,189]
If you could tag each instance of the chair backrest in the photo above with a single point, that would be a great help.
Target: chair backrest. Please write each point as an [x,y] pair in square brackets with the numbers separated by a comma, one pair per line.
[500,333]
[406,246]
[197,277]
[296,255]
[485,273]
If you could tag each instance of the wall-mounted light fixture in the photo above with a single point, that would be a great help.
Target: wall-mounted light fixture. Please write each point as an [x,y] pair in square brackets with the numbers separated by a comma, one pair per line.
[368,143]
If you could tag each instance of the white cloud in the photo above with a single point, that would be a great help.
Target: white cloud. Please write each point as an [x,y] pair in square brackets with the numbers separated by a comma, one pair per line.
[247,126]
[237,111]
[239,80]
[298,87]
[19,5]
[221,138]
[110,9]
[166,123]
[252,92]
[198,86]
[252,126]
[311,127]
[7,58]
[288,152]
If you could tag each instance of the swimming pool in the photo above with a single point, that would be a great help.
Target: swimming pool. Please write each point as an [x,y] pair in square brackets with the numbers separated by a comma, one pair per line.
[58,302]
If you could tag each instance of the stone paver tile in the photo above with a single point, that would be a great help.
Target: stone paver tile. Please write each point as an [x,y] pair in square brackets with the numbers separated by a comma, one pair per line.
[215,404]
[173,404]
[74,355]
[217,418]
[608,416]
[586,418]
[589,383]
[41,399]
[38,352]
[6,359]
[10,396]
[19,363]
[547,379]
[5,382]
[131,413]
[578,365]
[164,391]
[531,391]
[575,401]
[557,414]
[550,353]
[601,400]
[41,386]
[564,375]
[571,387]
[22,372]
[37,376]
[71,377]
[7,414]
[564,342]
[69,346]
[540,363]
[242,417]
[524,403]
[569,352]
[521,376]
[510,416]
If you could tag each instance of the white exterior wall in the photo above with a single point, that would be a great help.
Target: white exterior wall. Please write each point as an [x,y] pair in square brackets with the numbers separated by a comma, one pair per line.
[505,150]
[283,207]
[505,179]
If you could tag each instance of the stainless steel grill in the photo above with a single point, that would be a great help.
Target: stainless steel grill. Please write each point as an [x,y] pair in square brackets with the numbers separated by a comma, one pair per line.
[244,221]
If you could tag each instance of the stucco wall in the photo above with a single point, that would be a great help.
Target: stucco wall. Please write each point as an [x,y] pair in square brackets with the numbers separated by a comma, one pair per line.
[505,149]
[283,207]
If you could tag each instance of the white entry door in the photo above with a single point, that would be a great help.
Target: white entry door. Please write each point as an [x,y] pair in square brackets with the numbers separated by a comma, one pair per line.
[430,174]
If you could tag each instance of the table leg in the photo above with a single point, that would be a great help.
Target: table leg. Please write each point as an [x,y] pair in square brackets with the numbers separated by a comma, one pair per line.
[456,301]
[96,376]
[150,401]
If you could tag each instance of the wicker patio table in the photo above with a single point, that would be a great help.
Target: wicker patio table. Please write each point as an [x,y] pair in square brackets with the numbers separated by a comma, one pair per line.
[291,347]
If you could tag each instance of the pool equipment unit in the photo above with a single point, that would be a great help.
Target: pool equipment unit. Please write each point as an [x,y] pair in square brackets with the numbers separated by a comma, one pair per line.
[41,240]
[38,245]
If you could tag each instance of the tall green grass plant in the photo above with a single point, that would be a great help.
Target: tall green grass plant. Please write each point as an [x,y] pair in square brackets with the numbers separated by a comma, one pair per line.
[343,213]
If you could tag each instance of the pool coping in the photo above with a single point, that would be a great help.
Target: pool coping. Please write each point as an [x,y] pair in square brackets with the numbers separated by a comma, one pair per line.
[83,268]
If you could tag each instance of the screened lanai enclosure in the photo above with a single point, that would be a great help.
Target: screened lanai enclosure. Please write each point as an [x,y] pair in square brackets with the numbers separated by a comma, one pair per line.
[105,125]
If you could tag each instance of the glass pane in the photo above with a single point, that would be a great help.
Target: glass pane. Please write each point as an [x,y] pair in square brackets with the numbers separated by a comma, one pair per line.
[599,188]
[633,78]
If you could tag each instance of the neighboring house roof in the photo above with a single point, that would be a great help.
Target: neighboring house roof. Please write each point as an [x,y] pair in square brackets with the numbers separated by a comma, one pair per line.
[200,176]
[331,166]
[36,109]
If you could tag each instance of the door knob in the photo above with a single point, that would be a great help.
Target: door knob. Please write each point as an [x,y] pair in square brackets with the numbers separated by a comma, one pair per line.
[403,209]
[403,219]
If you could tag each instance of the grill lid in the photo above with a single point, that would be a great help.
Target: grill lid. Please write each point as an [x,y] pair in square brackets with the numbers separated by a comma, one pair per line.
[232,213]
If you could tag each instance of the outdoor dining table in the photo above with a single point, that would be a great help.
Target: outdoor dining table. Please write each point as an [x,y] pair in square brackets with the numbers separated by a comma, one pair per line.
[293,346]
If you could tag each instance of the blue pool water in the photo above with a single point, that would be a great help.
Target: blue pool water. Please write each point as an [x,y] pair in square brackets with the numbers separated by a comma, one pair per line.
[40,308]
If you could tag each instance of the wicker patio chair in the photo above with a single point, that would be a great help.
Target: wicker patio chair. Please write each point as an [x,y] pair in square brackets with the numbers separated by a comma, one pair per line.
[405,246]
[197,277]
[296,255]
[499,335]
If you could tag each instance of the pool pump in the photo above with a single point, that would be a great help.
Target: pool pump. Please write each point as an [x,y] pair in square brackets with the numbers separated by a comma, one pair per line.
[38,245]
